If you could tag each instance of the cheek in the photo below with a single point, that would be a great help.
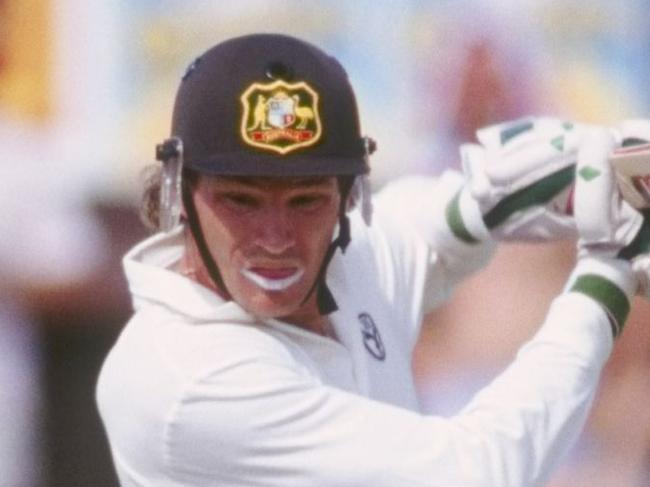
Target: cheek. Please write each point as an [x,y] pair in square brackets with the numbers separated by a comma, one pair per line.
[318,234]
[220,236]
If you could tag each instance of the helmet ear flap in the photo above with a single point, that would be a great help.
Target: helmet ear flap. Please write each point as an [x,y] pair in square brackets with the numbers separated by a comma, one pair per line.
[170,153]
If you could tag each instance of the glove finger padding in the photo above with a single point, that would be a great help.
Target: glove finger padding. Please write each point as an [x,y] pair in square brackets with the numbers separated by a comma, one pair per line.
[521,176]
[523,151]
[605,221]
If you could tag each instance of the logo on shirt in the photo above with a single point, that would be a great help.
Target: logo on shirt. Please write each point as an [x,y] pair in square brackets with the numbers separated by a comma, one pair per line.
[371,337]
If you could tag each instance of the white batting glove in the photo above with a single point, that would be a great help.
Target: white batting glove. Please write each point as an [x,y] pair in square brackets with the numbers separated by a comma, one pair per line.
[520,179]
[521,175]
[635,132]
[608,227]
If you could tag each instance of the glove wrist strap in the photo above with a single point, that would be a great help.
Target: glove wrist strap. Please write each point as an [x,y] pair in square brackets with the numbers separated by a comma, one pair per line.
[465,220]
[610,283]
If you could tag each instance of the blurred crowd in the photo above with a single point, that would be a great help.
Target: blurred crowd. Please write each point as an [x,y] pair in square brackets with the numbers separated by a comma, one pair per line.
[85,93]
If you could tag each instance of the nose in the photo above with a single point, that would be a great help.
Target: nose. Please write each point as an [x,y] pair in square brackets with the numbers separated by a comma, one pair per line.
[275,230]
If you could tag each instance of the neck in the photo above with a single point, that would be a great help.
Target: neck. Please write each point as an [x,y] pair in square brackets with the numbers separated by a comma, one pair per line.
[190,267]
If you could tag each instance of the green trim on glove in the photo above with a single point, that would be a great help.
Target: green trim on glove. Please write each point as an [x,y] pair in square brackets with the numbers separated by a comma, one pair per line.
[455,221]
[518,127]
[607,294]
[538,193]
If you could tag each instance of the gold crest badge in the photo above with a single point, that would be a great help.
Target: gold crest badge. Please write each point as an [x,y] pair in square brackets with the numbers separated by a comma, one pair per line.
[280,116]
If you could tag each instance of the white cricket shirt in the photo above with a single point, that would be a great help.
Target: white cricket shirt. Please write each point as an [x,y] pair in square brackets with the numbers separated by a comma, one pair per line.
[196,392]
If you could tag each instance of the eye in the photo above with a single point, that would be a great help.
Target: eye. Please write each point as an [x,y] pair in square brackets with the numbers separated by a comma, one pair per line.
[239,201]
[308,201]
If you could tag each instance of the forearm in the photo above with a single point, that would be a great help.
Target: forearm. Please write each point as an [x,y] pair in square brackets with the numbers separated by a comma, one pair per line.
[427,208]
[533,412]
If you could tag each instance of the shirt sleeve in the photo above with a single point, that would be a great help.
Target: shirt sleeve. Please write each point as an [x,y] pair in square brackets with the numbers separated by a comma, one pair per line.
[416,206]
[261,419]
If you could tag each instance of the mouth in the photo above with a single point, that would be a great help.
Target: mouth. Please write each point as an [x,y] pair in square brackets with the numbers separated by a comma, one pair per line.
[273,278]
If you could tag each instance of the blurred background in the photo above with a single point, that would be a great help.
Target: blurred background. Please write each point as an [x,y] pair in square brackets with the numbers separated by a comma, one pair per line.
[86,90]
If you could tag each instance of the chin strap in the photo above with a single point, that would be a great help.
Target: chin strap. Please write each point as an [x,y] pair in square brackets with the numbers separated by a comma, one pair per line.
[324,298]
[199,238]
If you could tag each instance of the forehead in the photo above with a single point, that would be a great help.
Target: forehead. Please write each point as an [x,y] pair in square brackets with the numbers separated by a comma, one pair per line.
[318,182]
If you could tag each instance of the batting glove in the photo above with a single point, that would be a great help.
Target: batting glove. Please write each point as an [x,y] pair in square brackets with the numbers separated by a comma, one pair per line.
[612,233]
[520,179]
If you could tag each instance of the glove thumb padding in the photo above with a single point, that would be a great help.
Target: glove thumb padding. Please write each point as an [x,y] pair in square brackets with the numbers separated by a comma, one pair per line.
[472,157]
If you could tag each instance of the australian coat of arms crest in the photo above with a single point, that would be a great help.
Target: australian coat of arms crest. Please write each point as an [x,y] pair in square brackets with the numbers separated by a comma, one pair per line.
[280,116]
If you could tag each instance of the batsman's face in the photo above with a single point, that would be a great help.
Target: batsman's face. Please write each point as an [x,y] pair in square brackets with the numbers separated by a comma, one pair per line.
[269,237]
